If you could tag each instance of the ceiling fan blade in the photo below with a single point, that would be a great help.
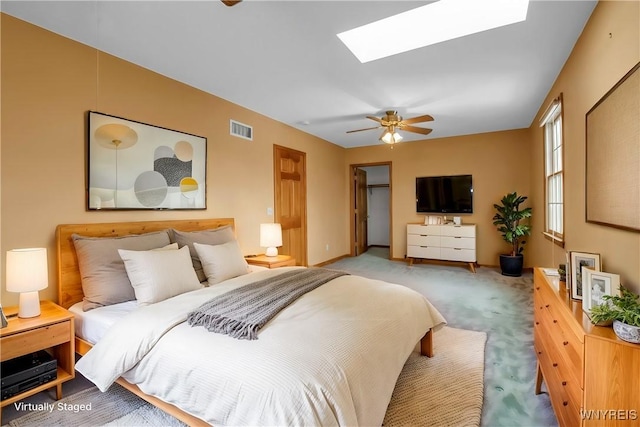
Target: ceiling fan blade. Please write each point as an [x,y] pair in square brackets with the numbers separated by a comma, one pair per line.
[419,119]
[358,130]
[230,2]
[377,119]
[416,129]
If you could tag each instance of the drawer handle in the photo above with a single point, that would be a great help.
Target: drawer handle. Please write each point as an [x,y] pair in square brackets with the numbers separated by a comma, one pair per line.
[555,365]
[537,288]
[539,352]
[564,383]
[456,237]
[555,321]
[537,323]
[547,306]
[565,403]
[565,342]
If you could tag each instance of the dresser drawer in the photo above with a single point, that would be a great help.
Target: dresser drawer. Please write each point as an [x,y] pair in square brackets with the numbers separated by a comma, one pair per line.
[432,252]
[569,349]
[30,341]
[427,230]
[451,254]
[565,373]
[423,240]
[565,395]
[458,242]
[459,230]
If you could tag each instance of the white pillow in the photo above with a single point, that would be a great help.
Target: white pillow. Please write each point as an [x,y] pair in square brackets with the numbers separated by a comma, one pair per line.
[222,262]
[158,275]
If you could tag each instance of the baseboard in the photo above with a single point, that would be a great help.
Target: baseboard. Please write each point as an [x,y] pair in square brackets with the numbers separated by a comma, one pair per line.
[332,260]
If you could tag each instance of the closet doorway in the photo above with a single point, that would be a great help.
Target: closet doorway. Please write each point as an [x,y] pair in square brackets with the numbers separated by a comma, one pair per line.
[370,207]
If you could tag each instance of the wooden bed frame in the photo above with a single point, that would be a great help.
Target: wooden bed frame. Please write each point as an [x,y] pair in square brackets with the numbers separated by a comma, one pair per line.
[70,285]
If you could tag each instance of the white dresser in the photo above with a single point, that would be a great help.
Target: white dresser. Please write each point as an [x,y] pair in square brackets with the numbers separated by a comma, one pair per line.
[442,242]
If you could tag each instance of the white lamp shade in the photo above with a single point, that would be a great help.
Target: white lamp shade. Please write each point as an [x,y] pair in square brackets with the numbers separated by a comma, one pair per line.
[271,238]
[27,270]
[27,273]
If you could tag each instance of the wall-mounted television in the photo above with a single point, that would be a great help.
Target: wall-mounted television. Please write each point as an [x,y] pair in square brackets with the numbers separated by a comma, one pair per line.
[444,194]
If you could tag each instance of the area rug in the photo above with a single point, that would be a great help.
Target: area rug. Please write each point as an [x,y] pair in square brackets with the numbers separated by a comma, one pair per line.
[445,390]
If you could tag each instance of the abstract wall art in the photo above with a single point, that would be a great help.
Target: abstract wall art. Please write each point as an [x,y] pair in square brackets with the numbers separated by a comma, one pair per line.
[133,165]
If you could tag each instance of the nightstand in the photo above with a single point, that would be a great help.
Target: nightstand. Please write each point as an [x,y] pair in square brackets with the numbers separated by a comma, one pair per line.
[272,261]
[53,329]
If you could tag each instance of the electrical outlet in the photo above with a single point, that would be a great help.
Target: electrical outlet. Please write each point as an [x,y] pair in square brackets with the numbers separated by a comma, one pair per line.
[327,247]
[270,211]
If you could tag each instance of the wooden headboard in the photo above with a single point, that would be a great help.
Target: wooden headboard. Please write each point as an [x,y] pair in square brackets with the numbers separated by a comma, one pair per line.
[69,282]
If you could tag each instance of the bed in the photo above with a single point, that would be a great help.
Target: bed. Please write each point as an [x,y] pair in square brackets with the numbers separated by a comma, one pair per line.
[329,358]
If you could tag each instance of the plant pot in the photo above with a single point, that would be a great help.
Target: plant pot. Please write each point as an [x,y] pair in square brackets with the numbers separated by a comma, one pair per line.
[511,265]
[626,332]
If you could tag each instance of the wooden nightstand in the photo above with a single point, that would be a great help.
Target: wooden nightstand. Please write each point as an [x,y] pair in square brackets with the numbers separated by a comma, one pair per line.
[272,261]
[53,329]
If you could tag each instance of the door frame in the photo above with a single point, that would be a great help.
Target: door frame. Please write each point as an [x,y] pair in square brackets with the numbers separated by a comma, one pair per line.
[352,205]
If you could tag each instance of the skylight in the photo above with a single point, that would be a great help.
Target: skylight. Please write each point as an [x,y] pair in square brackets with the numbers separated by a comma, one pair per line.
[434,23]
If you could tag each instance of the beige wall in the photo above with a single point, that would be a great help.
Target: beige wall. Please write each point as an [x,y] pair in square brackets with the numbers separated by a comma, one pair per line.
[498,162]
[48,85]
[607,49]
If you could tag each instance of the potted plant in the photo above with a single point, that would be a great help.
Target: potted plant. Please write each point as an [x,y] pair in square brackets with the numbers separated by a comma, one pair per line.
[508,220]
[623,310]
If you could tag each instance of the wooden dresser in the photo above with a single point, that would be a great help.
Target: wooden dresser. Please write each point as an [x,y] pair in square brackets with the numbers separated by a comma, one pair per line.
[593,377]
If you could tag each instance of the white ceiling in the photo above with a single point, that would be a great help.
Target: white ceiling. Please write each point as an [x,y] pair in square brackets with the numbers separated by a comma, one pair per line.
[284,60]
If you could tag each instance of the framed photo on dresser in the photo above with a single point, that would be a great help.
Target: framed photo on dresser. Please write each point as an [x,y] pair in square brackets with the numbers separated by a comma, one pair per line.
[596,284]
[577,260]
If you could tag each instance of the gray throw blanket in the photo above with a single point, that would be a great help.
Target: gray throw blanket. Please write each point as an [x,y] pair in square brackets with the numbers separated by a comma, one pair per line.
[241,312]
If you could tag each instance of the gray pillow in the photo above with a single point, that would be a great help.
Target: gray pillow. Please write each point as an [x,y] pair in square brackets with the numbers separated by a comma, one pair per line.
[104,278]
[216,236]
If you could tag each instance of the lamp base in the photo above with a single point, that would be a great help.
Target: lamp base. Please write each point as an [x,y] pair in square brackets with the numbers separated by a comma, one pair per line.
[272,251]
[29,305]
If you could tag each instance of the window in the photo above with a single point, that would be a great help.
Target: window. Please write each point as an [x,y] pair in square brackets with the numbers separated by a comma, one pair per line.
[554,177]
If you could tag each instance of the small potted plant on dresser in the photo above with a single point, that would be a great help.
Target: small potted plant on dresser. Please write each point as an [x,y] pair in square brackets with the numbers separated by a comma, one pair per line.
[623,310]
[508,219]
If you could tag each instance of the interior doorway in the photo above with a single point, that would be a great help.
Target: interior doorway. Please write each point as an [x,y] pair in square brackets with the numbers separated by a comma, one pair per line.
[371,215]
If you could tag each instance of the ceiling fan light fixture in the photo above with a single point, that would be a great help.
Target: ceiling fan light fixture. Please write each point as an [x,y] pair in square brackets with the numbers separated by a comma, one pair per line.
[391,136]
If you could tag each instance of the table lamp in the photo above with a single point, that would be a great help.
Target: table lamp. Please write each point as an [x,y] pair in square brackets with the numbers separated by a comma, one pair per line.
[27,273]
[271,238]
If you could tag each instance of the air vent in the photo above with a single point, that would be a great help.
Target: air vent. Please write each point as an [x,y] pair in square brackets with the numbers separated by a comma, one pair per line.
[241,130]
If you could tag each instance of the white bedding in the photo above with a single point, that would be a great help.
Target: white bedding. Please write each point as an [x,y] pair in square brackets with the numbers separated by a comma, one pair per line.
[331,358]
[92,325]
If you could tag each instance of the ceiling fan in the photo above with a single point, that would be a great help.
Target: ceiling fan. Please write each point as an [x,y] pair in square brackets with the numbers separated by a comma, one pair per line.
[230,2]
[392,122]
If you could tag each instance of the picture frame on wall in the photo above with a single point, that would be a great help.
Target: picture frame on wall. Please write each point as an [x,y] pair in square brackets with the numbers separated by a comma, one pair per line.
[138,166]
[578,260]
[596,284]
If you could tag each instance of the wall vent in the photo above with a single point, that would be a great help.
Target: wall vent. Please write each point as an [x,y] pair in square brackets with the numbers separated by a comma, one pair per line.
[241,130]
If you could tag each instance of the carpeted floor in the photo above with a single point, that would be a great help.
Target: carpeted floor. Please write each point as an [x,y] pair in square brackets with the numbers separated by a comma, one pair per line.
[487,302]
[453,376]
